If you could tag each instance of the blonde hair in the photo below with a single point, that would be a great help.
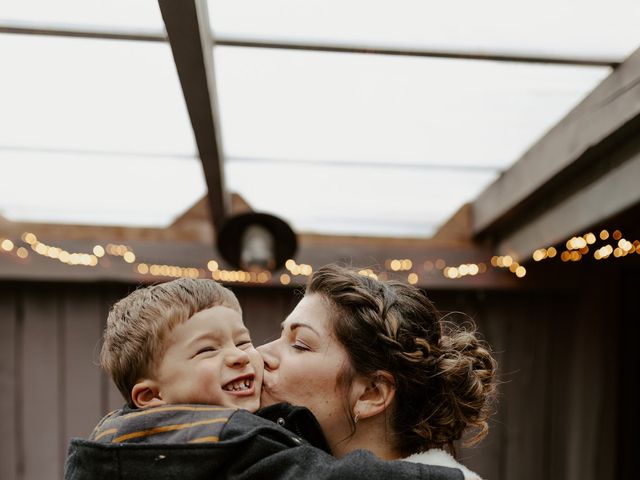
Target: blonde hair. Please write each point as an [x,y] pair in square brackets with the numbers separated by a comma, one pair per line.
[137,326]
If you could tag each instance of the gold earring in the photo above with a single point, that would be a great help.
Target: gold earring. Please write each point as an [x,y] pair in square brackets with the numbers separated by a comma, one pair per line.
[356,417]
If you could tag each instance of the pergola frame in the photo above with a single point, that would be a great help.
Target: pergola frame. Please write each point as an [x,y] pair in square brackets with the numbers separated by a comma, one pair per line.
[582,172]
[538,201]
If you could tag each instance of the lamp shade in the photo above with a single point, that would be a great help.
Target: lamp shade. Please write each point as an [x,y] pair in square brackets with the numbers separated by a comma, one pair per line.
[252,241]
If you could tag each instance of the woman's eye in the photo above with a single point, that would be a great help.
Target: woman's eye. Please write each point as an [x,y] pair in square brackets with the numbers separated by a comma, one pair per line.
[300,347]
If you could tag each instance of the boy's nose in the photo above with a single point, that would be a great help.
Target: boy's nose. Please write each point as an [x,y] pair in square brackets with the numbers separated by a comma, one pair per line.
[269,356]
[237,358]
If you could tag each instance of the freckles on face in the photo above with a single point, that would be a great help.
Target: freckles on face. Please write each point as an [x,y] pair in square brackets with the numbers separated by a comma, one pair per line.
[302,367]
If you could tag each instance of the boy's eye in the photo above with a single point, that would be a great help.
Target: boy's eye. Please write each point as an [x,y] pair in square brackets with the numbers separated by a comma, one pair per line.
[206,349]
[243,343]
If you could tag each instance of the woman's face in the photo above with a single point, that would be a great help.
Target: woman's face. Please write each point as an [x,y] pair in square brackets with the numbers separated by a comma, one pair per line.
[303,365]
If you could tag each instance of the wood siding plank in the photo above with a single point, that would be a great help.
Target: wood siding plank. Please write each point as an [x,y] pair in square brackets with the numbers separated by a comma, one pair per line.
[41,393]
[82,327]
[8,384]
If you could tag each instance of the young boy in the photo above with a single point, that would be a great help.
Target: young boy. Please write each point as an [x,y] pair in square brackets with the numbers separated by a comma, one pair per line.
[181,342]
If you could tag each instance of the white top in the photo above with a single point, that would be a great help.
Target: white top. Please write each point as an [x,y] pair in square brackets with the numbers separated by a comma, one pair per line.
[436,456]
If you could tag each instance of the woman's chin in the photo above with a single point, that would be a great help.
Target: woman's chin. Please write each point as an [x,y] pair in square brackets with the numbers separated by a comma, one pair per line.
[266,399]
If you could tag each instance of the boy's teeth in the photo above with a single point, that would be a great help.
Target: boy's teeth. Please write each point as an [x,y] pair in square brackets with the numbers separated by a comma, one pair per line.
[239,385]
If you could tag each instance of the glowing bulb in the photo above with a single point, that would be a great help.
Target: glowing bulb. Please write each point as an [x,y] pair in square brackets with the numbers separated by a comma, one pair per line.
[617,235]
[129,257]
[22,252]
[396,265]
[539,255]
[551,252]
[7,245]
[290,264]
[143,268]
[412,278]
[29,238]
[463,270]
[285,279]
[604,235]
[212,265]
[406,264]
[440,264]
[98,251]
[521,271]
[590,238]
[473,269]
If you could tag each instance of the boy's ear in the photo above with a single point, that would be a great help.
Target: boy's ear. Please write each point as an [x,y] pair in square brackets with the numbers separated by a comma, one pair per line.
[146,393]
[374,394]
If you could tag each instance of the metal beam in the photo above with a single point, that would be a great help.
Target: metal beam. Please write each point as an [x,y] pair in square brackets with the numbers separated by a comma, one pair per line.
[414,52]
[586,148]
[228,41]
[64,31]
[187,24]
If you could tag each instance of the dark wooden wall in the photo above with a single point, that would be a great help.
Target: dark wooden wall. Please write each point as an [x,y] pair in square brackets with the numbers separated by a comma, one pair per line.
[559,411]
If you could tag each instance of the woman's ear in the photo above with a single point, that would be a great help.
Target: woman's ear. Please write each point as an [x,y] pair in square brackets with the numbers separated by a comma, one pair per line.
[374,394]
[145,393]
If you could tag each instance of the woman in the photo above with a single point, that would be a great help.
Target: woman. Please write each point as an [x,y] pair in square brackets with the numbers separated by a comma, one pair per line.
[380,370]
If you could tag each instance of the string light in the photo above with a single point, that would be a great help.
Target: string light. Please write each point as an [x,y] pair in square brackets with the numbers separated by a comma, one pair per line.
[367,272]
[6,245]
[577,247]
[295,269]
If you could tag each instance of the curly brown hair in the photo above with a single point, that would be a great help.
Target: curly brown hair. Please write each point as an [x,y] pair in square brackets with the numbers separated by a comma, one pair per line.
[133,341]
[444,375]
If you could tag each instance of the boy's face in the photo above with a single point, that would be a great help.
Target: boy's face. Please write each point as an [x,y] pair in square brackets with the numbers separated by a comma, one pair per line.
[210,359]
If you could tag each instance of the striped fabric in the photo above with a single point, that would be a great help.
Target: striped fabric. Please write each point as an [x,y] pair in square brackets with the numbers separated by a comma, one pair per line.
[162,425]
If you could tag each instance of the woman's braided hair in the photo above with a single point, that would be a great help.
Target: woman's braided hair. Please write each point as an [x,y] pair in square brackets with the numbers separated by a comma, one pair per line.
[444,375]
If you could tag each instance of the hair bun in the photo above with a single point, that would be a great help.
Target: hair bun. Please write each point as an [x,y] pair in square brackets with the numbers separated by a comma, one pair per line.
[467,370]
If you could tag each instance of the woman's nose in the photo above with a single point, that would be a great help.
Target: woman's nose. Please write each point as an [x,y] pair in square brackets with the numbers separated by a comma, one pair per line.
[268,351]
[237,358]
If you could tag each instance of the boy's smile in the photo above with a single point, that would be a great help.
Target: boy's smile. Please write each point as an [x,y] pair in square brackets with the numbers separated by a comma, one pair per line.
[210,359]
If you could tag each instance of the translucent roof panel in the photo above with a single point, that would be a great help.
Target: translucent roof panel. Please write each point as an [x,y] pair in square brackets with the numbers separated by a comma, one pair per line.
[84,94]
[114,15]
[447,127]
[333,106]
[356,200]
[97,189]
[584,28]
[93,131]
